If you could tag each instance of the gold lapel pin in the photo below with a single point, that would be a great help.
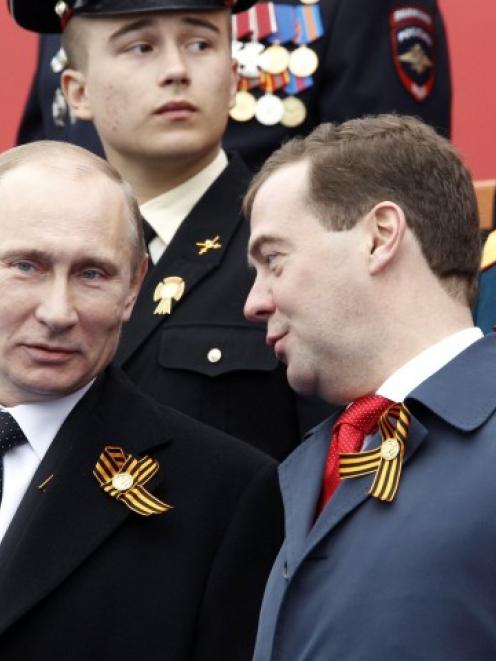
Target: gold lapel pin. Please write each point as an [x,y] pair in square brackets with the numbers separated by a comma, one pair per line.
[208,244]
[45,484]
[168,290]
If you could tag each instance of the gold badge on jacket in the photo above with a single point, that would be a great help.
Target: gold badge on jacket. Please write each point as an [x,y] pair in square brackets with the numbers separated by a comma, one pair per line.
[123,477]
[208,244]
[168,290]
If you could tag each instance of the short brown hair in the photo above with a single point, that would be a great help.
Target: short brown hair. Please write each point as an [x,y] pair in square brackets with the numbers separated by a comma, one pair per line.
[357,164]
[79,162]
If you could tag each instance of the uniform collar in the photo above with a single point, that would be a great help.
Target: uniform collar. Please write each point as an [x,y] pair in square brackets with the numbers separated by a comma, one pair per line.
[166,212]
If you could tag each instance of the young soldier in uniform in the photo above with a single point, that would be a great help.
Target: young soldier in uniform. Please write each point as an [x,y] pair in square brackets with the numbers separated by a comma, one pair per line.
[157,79]
[354,57]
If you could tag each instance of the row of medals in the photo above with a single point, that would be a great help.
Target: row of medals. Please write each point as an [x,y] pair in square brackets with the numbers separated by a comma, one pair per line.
[270,109]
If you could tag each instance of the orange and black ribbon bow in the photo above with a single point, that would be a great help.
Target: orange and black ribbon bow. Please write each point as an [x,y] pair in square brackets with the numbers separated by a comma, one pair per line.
[123,477]
[385,461]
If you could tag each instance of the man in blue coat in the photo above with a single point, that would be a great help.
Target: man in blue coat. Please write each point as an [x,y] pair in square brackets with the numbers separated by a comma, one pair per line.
[365,242]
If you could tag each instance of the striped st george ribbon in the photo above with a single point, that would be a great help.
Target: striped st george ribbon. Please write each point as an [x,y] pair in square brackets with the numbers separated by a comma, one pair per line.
[385,461]
[123,477]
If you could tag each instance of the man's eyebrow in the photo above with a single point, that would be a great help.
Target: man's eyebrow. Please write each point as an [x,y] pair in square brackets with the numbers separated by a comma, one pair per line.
[133,26]
[25,253]
[200,22]
[143,23]
[255,246]
[106,265]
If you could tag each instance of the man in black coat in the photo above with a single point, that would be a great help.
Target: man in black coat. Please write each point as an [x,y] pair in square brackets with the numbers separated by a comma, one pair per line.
[365,66]
[158,91]
[128,531]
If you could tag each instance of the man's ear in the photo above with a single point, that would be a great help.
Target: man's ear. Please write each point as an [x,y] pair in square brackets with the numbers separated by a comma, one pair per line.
[74,88]
[134,288]
[387,226]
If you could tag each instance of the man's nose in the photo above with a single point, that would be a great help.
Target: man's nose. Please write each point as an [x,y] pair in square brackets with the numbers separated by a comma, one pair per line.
[56,309]
[173,70]
[259,304]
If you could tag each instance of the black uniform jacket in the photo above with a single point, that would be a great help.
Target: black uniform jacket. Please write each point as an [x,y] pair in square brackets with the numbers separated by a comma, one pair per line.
[357,75]
[83,577]
[205,358]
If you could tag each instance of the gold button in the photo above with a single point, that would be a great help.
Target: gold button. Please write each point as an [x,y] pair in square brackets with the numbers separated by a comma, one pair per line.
[214,355]
[390,449]
[122,481]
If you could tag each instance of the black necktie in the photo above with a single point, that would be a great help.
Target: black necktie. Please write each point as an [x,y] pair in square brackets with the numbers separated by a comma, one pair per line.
[149,232]
[11,435]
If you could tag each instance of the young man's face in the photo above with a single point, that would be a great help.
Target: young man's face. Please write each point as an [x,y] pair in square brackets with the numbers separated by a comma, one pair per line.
[157,85]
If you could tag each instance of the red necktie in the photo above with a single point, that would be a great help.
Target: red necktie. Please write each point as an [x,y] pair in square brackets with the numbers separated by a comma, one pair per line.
[357,421]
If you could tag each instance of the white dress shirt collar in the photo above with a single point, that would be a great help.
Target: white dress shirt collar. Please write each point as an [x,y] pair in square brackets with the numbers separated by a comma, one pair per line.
[432,359]
[40,421]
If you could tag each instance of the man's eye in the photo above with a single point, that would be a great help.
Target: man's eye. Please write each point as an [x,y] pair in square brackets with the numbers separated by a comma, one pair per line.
[91,274]
[24,267]
[140,49]
[198,45]
[270,259]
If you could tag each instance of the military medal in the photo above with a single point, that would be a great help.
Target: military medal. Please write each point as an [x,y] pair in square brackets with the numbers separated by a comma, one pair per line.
[294,112]
[303,62]
[244,107]
[168,290]
[274,59]
[247,57]
[269,110]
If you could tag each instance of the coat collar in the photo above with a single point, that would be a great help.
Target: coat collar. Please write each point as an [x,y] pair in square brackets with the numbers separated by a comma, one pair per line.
[216,214]
[462,393]
[54,531]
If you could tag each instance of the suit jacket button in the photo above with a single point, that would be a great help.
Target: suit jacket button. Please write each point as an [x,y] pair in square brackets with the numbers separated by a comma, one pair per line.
[214,355]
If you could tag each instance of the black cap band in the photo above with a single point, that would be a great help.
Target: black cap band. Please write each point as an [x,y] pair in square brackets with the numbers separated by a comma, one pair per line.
[53,15]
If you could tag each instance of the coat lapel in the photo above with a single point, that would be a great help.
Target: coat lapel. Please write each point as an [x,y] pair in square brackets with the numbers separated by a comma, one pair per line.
[301,482]
[54,531]
[354,492]
[216,214]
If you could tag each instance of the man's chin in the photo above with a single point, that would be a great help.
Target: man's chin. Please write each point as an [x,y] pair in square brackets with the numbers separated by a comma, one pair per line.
[300,382]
